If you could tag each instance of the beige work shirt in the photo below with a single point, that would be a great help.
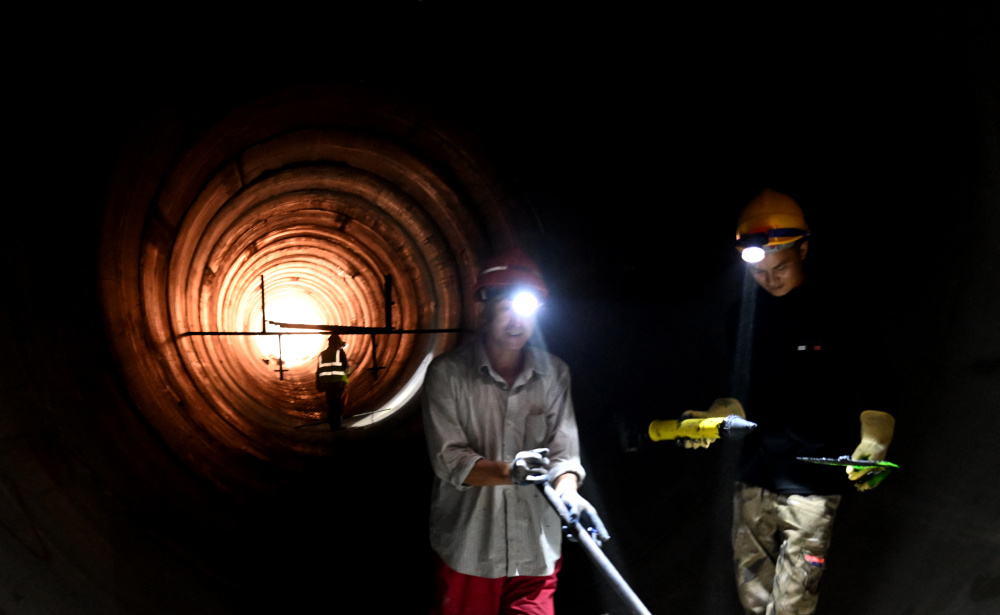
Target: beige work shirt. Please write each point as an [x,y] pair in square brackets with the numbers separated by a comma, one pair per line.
[471,413]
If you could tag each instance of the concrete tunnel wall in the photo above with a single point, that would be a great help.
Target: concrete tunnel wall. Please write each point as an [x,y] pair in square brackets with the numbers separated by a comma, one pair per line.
[322,195]
[145,472]
[183,455]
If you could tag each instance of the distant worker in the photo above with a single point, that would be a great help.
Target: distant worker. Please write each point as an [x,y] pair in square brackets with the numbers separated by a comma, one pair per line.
[332,377]
[499,419]
[808,384]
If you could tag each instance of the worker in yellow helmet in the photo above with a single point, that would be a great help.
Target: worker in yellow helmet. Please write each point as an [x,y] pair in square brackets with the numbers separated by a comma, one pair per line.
[801,373]
[769,224]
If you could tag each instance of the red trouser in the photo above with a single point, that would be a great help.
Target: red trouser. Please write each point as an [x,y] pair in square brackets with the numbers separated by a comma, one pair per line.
[462,594]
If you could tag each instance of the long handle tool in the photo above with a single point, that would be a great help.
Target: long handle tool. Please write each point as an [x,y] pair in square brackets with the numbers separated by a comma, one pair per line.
[594,551]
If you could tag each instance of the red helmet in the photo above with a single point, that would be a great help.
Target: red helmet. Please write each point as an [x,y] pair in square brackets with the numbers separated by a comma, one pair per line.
[510,269]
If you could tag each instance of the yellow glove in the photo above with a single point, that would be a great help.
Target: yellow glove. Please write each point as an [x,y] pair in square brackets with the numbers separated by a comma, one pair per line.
[724,406]
[876,434]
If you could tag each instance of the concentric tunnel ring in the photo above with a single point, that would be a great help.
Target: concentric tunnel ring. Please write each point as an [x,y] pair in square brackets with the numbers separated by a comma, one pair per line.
[318,199]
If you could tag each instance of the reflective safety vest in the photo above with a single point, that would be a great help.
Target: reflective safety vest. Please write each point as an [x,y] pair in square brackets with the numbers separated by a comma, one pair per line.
[332,367]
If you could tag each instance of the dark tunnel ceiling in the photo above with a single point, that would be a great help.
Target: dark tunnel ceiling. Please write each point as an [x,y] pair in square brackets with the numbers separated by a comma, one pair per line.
[322,193]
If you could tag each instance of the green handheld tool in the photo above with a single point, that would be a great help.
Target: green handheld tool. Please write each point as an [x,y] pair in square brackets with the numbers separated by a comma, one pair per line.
[845,461]
[872,471]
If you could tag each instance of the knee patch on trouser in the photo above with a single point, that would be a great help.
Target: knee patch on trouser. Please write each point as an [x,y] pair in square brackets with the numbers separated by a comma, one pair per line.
[780,545]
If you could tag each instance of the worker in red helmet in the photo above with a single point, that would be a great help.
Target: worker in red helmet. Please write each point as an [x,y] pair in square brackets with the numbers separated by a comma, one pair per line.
[499,418]
[807,376]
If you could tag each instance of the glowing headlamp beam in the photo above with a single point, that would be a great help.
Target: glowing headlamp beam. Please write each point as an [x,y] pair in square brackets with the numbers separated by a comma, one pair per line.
[753,254]
[525,303]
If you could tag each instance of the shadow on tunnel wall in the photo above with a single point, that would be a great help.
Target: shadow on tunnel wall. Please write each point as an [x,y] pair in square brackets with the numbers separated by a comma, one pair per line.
[143,472]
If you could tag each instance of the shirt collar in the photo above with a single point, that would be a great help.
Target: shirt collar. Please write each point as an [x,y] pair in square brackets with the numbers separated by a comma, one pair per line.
[535,362]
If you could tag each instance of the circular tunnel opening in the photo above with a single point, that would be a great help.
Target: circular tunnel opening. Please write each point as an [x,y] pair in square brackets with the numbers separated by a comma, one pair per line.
[294,208]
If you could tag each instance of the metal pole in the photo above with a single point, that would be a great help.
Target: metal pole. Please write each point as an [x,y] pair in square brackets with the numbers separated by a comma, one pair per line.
[594,551]
[263,312]
[387,296]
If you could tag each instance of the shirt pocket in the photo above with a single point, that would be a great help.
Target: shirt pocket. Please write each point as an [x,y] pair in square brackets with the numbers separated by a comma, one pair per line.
[536,430]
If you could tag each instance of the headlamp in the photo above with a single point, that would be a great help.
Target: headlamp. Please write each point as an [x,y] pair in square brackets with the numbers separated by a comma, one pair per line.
[754,246]
[752,254]
[525,303]
[751,246]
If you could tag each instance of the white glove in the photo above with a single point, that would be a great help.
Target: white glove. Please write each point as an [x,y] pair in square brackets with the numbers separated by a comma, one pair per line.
[530,467]
[876,434]
[583,511]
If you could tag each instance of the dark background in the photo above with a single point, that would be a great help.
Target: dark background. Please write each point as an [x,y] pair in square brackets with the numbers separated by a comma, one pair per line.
[635,137]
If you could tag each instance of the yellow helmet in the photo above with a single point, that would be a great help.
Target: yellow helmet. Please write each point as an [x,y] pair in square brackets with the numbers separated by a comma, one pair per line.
[770,222]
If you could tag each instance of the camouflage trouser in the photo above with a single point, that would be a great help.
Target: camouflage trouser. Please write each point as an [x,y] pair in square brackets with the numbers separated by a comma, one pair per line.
[779,548]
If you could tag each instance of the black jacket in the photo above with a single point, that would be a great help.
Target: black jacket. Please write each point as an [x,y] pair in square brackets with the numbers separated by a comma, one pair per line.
[811,372]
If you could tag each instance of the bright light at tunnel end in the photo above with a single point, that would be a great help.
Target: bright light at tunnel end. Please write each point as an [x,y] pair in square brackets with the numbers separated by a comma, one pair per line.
[295,349]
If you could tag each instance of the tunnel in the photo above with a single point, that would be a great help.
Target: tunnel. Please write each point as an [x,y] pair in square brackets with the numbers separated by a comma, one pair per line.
[313,202]
[319,204]
[177,194]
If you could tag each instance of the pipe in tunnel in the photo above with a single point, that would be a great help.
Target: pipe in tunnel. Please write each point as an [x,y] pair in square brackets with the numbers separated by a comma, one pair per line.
[321,195]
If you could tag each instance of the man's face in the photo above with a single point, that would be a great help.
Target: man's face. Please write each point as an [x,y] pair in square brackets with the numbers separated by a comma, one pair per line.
[508,330]
[781,272]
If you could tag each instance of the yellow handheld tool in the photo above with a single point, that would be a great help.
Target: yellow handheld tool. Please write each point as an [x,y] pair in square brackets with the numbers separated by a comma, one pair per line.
[713,428]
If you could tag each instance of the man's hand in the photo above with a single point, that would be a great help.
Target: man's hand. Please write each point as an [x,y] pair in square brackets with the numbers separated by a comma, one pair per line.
[876,434]
[695,442]
[583,511]
[530,467]
[724,406]
[872,475]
